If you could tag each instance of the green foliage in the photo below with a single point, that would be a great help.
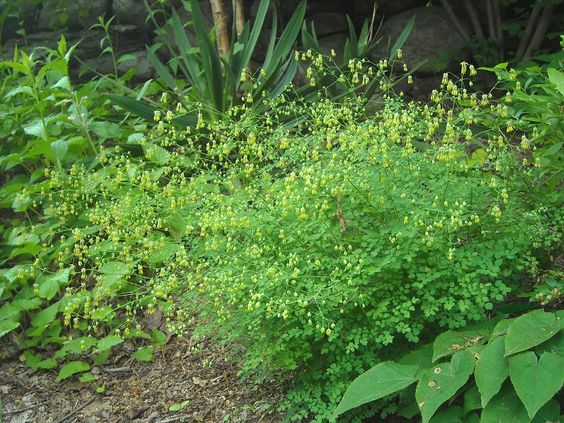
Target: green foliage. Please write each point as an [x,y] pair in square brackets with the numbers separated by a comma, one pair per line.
[215,83]
[322,247]
[534,371]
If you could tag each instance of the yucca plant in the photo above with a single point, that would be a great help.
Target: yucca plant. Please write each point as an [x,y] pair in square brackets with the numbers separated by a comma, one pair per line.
[216,82]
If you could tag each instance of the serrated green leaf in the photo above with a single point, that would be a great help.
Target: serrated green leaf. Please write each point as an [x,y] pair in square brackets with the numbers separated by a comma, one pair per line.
[491,369]
[108,342]
[46,316]
[36,129]
[557,78]
[49,285]
[529,330]
[381,380]
[7,326]
[143,354]
[158,337]
[536,382]
[106,130]
[156,153]
[439,383]
[72,368]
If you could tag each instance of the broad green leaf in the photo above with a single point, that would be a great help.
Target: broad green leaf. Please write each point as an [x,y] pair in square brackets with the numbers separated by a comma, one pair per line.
[9,312]
[440,382]
[6,326]
[47,364]
[105,130]
[163,253]
[158,337]
[59,149]
[86,377]
[450,415]
[72,368]
[178,406]
[536,382]
[505,407]
[114,270]
[450,342]
[381,380]
[63,83]
[78,345]
[26,304]
[421,357]
[549,413]
[529,330]
[143,354]
[491,369]
[46,316]
[557,78]
[101,358]
[501,328]
[108,342]
[32,360]
[156,153]
[471,400]
[49,285]
[36,129]
[553,345]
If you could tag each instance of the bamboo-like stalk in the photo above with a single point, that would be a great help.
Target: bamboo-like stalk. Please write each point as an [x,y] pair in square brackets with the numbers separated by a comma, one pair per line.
[455,20]
[540,31]
[531,23]
[239,6]
[471,10]
[220,20]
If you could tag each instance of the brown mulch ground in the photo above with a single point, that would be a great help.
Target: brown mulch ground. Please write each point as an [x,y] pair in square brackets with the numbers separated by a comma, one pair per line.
[141,392]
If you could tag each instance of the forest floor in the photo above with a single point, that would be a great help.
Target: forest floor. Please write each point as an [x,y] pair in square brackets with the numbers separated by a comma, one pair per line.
[200,379]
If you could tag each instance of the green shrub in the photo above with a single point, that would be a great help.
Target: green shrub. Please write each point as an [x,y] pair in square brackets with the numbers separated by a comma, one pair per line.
[528,350]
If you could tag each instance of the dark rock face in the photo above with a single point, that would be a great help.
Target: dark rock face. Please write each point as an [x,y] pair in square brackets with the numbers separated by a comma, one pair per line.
[433,38]
[74,15]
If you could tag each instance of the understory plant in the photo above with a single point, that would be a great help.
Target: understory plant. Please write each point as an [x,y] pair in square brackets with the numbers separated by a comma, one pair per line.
[507,370]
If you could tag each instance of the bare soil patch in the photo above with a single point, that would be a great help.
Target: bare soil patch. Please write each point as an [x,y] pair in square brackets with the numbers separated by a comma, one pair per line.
[142,392]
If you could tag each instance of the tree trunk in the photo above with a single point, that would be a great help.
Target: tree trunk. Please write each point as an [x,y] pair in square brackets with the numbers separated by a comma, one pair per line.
[220,20]
[531,23]
[239,15]
[474,18]
[455,20]
[540,32]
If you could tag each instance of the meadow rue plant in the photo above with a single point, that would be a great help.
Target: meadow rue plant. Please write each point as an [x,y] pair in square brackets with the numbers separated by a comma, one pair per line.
[348,236]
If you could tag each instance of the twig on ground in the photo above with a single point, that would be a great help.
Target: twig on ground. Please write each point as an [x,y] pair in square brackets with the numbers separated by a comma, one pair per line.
[118,370]
[175,418]
[21,410]
[76,410]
